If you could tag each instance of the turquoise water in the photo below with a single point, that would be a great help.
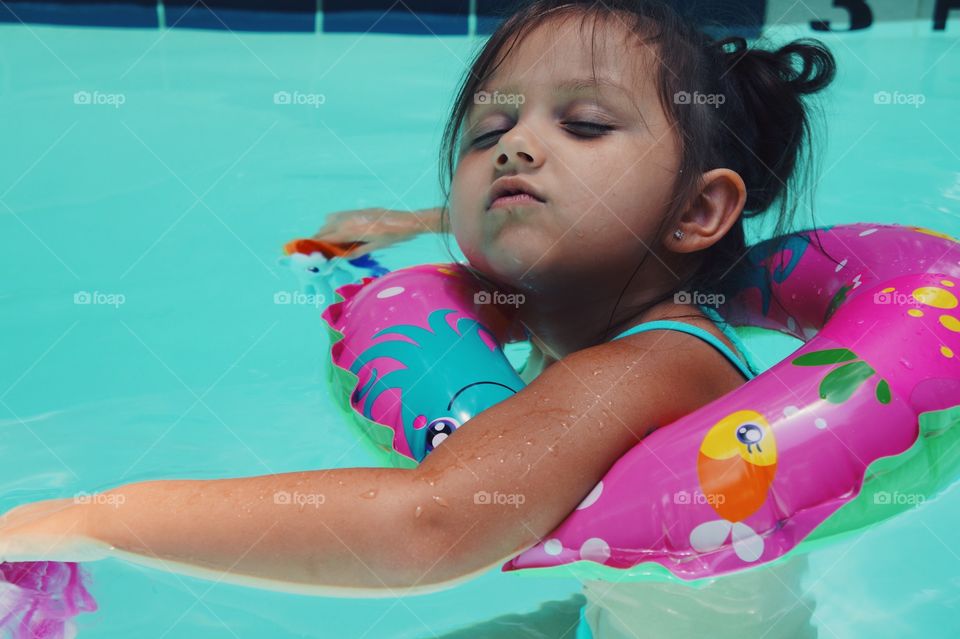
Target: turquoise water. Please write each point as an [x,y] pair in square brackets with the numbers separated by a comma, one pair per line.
[167,199]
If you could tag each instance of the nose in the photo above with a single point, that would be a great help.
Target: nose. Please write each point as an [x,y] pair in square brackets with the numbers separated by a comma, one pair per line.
[518,148]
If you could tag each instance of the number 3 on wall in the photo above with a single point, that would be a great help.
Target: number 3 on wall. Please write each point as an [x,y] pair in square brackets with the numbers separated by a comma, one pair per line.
[861,16]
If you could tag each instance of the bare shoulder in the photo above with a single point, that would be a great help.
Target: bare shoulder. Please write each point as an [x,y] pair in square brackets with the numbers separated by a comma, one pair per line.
[716,371]
[689,371]
[721,373]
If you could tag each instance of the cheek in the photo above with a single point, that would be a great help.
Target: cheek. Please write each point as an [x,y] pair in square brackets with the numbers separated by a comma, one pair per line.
[467,188]
[631,186]
[465,209]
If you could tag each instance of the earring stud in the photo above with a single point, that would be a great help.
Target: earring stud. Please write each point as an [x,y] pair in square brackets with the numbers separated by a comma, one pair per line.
[678,234]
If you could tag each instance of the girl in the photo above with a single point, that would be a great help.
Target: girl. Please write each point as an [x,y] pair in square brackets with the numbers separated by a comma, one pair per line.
[601,157]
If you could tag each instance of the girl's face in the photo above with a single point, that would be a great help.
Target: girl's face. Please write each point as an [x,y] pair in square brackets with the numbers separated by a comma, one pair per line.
[604,158]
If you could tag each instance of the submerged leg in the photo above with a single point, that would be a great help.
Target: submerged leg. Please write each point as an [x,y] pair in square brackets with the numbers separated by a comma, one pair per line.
[552,620]
[766,601]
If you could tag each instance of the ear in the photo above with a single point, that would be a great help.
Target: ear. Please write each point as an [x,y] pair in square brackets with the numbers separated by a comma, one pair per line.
[711,214]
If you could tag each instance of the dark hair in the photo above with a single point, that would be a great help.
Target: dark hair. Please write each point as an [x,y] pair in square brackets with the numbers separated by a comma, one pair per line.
[759,131]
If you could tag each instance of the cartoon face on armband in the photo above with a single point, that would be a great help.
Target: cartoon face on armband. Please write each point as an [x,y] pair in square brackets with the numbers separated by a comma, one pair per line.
[437,431]
[448,373]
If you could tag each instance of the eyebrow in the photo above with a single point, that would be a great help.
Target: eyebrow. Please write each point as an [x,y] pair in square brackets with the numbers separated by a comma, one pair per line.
[571,86]
[574,85]
[581,84]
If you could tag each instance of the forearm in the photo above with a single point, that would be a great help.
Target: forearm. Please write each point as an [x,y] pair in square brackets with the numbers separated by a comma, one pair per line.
[429,219]
[314,532]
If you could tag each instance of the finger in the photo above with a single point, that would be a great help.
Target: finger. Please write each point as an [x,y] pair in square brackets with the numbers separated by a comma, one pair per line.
[323,230]
[362,249]
[329,225]
[330,236]
[369,247]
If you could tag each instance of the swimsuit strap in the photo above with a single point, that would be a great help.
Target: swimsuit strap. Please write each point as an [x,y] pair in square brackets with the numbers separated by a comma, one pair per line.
[734,338]
[695,331]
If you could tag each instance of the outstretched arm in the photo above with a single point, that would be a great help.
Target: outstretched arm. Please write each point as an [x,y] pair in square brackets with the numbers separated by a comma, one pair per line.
[380,532]
[378,228]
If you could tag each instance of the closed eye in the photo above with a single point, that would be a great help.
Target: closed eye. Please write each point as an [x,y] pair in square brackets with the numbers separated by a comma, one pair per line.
[577,128]
[592,129]
[480,140]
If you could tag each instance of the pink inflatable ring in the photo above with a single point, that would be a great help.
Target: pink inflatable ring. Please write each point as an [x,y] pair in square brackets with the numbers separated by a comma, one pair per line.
[823,443]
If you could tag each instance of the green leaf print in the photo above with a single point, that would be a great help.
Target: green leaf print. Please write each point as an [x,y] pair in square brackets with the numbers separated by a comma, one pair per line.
[825,357]
[839,384]
[883,392]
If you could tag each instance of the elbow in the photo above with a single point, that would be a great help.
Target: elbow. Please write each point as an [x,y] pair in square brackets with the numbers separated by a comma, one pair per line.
[451,540]
[432,550]
[402,542]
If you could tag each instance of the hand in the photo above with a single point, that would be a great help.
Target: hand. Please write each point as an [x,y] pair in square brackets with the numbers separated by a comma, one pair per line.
[51,530]
[377,227]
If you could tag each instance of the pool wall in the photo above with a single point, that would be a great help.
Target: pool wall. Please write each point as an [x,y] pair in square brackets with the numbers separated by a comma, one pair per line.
[447,17]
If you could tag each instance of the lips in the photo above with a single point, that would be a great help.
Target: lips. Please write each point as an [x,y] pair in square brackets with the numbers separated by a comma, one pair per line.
[512,190]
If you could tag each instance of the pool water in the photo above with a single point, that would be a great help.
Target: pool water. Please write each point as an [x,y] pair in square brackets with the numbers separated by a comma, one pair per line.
[148,180]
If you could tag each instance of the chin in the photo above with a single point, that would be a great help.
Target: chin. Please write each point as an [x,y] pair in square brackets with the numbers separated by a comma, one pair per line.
[522,269]
[517,256]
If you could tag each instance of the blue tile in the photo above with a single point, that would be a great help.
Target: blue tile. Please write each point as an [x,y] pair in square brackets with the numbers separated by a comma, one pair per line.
[490,13]
[104,13]
[735,17]
[417,17]
[242,15]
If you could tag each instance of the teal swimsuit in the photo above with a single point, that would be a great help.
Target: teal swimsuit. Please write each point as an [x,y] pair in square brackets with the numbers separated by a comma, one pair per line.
[748,369]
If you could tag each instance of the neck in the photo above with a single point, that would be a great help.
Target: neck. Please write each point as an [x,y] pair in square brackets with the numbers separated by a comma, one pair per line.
[561,323]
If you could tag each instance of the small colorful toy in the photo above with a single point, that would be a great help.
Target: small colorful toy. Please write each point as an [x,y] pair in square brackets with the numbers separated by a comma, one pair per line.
[38,599]
[323,266]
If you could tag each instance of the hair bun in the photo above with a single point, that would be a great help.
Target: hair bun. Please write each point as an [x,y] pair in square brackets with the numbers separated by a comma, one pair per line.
[817,69]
